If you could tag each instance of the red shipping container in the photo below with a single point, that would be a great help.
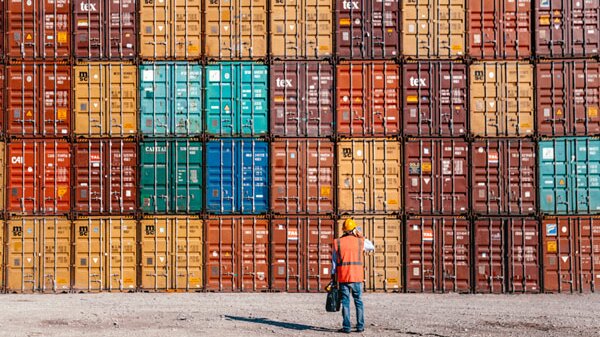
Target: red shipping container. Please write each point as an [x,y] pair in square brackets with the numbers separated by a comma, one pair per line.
[39,177]
[301,249]
[39,100]
[2,14]
[368,99]
[507,255]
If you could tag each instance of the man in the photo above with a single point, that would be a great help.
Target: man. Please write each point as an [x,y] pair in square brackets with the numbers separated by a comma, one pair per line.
[348,262]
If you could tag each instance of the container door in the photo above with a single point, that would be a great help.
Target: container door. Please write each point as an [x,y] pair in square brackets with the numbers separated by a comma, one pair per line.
[384,100]
[353,162]
[22,178]
[352,98]
[121,105]
[22,256]
[383,266]
[287,255]
[55,115]
[186,259]
[318,171]
[155,173]
[186,26]
[221,109]
[287,178]
[222,181]
[187,186]
[253,104]
[319,248]
[559,255]
[519,177]
[122,177]
[155,96]
[588,261]
[554,183]
[55,182]
[121,40]
[222,242]
[523,259]
[90,18]
[187,99]
[421,259]
[517,99]
[90,193]
[156,236]
[90,265]
[490,256]
[385,176]
[121,250]
[455,247]
[585,175]
[253,172]
[155,31]
[55,260]
[254,254]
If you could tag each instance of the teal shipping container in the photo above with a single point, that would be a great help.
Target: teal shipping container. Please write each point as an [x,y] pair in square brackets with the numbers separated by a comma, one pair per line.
[569,173]
[171,176]
[237,99]
[170,99]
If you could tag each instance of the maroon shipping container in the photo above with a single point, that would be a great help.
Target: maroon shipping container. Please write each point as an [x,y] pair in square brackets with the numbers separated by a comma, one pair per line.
[568,95]
[436,176]
[39,177]
[438,254]
[2,14]
[302,99]
[567,28]
[237,254]
[367,29]
[435,99]
[499,29]
[301,249]
[105,177]
[105,29]
[38,100]
[368,98]
[302,174]
[38,29]
[503,177]
[571,253]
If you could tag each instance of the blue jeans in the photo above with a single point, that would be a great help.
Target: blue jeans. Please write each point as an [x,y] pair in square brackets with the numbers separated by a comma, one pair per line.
[356,290]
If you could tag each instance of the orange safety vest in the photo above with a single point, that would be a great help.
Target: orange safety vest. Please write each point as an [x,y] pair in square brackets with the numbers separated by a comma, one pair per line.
[350,259]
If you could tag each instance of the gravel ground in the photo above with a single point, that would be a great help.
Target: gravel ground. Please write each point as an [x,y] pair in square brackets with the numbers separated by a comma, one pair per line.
[249,315]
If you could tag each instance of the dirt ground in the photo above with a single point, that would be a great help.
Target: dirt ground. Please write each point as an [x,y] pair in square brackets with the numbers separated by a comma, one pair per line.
[249,315]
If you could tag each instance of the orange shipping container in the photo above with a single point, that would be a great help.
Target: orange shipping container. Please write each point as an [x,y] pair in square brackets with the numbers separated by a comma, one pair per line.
[2,185]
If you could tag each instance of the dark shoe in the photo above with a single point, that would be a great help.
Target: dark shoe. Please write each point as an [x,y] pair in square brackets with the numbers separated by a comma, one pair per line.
[342,330]
[360,330]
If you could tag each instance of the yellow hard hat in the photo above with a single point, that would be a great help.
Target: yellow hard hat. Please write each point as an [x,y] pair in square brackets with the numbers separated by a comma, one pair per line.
[349,225]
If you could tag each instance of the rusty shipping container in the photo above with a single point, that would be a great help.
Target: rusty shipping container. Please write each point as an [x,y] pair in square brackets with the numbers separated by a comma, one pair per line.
[368,99]
[301,29]
[501,99]
[369,176]
[567,28]
[105,99]
[171,253]
[2,263]
[503,177]
[2,52]
[568,98]
[105,29]
[434,99]
[170,29]
[3,166]
[237,254]
[38,177]
[433,29]
[499,29]
[302,172]
[300,252]
[104,177]
[3,85]
[235,29]
[571,247]
[39,100]
[507,255]
[301,99]
[105,251]
[38,29]
[438,254]
[436,176]
[38,255]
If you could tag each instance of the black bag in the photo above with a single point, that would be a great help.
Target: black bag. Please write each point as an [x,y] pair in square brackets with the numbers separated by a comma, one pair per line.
[333,298]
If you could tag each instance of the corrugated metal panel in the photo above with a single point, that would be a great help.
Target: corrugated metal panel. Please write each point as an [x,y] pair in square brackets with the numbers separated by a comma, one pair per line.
[2,52]
[170,99]
[2,242]
[569,173]
[237,173]
[3,181]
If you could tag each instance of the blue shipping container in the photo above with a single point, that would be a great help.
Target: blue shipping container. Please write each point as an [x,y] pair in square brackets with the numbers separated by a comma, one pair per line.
[237,173]
[236,99]
[171,99]
[569,171]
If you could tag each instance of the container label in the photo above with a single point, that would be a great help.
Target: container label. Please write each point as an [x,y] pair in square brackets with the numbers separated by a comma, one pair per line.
[214,75]
[325,191]
[592,112]
[551,229]
[148,75]
[551,247]
[428,236]
[548,153]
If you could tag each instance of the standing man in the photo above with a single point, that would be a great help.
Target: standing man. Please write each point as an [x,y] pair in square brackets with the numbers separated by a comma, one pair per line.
[348,266]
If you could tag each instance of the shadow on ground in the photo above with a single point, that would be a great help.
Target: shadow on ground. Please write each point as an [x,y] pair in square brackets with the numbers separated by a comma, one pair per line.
[286,325]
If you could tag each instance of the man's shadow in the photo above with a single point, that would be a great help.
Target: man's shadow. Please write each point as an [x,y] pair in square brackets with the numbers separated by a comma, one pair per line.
[286,325]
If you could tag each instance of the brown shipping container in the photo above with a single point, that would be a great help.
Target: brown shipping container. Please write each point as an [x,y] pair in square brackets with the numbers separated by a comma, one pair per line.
[2,53]
[170,29]
[301,29]
[3,247]
[302,174]
[501,99]
[105,254]
[237,254]
[568,95]
[499,29]
[301,249]
[435,99]
[571,253]
[368,99]
[105,99]
[105,29]
[38,255]
[3,86]
[436,176]
[503,177]
[567,28]
[369,176]
[367,29]
[171,253]
[507,255]
[38,177]
[433,28]
[438,254]
[105,174]
[3,166]
[38,29]
[301,99]
[235,29]
[38,100]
